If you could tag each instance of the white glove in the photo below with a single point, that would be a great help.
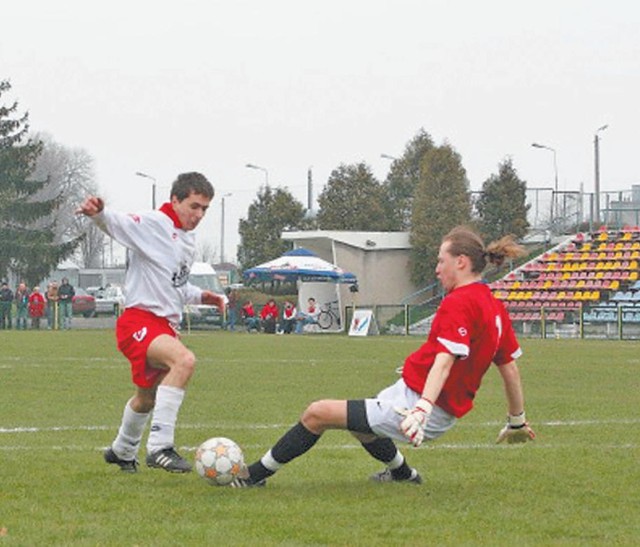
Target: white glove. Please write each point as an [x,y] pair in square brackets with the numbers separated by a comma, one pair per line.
[517,430]
[415,420]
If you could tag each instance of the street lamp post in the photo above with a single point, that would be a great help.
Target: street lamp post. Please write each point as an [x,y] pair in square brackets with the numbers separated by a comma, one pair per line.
[222,227]
[596,189]
[266,173]
[153,187]
[554,208]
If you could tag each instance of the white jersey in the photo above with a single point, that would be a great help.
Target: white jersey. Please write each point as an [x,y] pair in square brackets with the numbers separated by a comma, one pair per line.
[159,258]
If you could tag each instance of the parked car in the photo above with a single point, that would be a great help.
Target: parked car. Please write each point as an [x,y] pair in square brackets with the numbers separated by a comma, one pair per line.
[110,300]
[205,277]
[83,303]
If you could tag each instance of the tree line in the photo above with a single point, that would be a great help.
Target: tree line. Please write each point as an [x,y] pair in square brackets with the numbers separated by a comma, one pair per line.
[426,192]
[40,182]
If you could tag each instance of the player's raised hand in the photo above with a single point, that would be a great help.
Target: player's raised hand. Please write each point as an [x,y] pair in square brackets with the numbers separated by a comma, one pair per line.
[415,420]
[516,430]
[92,205]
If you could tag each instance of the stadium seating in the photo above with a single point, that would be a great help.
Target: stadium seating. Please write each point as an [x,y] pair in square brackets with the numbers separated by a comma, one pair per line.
[592,273]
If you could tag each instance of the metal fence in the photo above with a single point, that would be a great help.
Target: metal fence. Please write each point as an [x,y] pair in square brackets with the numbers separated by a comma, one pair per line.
[565,212]
[602,321]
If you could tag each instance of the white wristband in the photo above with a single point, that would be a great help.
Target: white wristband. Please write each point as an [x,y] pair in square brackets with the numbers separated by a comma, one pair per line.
[517,421]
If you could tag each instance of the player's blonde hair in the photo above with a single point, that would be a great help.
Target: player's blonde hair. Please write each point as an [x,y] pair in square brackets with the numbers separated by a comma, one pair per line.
[464,241]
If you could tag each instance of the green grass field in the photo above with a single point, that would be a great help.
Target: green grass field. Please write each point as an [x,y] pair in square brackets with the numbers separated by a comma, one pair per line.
[62,394]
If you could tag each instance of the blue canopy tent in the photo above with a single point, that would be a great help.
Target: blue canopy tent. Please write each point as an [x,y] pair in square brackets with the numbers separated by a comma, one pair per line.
[314,277]
[298,265]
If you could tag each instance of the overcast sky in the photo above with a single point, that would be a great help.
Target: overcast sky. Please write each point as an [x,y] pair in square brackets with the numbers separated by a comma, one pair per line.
[207,85]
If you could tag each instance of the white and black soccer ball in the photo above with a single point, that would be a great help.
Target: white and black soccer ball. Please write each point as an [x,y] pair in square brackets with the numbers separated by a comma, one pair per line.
[219,460]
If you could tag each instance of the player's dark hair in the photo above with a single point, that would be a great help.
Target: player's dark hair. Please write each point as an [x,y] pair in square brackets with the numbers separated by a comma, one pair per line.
[191,183]
[464,241]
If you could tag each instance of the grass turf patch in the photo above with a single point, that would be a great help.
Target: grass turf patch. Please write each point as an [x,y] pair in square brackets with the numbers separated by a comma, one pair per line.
[61,399]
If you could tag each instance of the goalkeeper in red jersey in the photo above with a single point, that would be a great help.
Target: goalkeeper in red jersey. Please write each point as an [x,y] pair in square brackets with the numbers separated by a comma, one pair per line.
[470,331]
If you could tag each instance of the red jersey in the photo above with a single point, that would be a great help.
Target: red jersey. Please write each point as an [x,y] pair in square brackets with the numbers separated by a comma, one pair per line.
[269,312]
[473,326]
[36,304]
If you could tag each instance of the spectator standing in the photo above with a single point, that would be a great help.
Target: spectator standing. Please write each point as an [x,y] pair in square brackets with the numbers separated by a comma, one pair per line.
[308,316]
[52,305]
[6,301]
[269,316]
[66,292]
[22,306]
[288,318]
[36,307]
[251,320]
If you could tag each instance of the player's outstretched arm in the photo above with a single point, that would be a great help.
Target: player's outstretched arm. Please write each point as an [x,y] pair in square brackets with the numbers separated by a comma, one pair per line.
[516,430]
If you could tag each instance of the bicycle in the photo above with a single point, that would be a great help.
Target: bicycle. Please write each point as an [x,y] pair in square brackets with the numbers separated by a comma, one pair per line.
[329,314]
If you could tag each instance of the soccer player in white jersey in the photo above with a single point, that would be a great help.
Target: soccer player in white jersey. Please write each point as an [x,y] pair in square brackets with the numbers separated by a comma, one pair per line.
[160,251]
[471,329]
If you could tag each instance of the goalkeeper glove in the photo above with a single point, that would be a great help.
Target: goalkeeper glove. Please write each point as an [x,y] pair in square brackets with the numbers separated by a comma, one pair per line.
[517,430]
[415,420]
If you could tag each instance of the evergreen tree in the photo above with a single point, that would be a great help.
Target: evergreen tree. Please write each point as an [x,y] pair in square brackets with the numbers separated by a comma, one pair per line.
[273,211]
[441,202]
[403,178]
[353,200]
[502,207]
[26,245]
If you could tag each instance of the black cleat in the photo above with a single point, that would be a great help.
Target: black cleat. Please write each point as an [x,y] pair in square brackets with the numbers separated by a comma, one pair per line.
[246,483]
[386,476]
[169,460]
[126,466]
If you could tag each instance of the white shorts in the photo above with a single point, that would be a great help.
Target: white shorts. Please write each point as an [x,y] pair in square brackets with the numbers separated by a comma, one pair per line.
[385,421]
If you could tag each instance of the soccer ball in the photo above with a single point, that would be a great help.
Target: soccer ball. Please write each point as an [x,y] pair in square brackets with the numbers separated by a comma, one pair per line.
[219,460]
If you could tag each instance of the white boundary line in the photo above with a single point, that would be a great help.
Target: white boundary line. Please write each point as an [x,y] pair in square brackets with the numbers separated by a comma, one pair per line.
[214,426]
[442,446]
[346,446]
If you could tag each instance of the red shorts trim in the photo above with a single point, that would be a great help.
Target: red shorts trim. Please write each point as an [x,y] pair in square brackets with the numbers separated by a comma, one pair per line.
[135,330]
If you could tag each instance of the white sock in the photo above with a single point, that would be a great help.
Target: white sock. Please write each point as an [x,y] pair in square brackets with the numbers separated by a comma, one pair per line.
[127,441]
[165,414]
[270,463]
[397,461]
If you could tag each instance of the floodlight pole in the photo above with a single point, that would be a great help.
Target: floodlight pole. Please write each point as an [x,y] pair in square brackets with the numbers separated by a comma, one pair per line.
[554,207]
[596,189]
[153,187]
[222,227]
[266,172]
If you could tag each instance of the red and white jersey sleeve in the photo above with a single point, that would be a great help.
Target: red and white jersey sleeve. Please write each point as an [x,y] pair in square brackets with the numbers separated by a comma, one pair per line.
[159,258]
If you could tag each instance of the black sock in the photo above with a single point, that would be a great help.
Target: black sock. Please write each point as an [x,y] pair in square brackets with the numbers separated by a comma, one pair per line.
[381,449]
[384,450]
[292,444]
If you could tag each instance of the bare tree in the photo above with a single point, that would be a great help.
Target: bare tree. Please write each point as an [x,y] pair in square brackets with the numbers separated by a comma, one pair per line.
[206,252]
[70,177]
